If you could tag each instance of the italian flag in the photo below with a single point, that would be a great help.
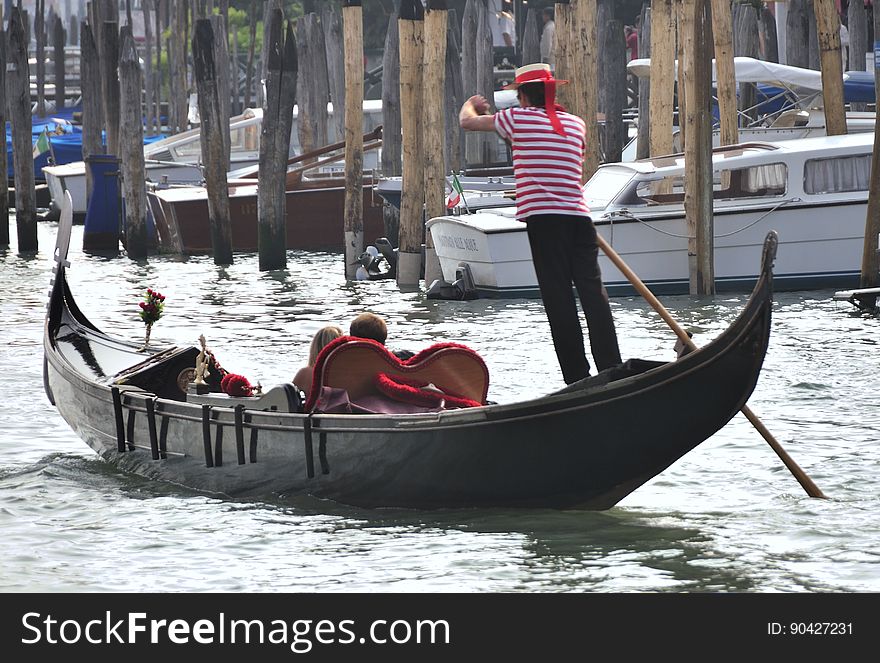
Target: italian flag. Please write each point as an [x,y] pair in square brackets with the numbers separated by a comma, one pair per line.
[454,196]
[42,144]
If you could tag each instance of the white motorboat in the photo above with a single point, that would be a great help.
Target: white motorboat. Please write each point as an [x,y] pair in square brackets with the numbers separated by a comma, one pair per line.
[173,159]
[812,191]
[177,159]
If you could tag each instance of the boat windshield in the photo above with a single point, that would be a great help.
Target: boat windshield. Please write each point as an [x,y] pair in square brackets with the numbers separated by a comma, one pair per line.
[605,185]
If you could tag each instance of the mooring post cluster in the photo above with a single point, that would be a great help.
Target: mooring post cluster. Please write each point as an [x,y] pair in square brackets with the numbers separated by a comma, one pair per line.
[433,60]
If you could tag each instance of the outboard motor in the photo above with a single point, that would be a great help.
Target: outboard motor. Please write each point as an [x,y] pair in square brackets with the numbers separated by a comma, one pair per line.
[368,262]
[461,289]
[389,253]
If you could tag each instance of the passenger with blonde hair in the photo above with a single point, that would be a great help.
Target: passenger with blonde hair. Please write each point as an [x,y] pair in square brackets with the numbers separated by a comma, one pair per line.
[303,377]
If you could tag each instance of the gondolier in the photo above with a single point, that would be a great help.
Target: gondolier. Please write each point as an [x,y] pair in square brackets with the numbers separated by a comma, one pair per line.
[135,408]
[548,151]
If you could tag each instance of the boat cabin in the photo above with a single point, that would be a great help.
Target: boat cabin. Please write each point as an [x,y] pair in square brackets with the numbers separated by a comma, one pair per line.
[186,147]
[742,174]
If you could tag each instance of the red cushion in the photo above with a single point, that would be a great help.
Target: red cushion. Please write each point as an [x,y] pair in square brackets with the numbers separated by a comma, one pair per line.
[353,363]
[411,390]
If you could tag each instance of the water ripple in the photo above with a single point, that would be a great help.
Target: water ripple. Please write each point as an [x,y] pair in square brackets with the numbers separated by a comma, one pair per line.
[729,517]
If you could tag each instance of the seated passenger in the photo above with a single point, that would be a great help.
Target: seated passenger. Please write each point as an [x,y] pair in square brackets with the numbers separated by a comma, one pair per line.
[303,377]
[370,325]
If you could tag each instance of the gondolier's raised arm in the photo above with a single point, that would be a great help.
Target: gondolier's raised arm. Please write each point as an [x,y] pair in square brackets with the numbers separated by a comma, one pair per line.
[474,115]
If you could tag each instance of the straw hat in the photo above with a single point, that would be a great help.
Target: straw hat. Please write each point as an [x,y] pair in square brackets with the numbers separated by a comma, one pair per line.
[533,73]
[540,73]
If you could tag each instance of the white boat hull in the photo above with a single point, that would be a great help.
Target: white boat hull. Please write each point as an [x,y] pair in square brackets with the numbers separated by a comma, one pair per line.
[72,177]
[813,253]
[813,192]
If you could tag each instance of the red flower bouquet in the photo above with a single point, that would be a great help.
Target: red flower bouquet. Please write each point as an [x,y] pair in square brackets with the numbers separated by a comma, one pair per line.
[152,308]
[236,385]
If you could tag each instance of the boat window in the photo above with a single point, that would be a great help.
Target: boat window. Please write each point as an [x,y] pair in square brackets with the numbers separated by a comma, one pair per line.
[236,139]
[727,183]
[766,180]
[605,185]
[665,191]
[849,173]
[252,137]
[188,150]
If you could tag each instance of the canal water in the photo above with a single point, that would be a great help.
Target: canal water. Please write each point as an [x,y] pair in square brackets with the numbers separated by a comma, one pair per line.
[728,517]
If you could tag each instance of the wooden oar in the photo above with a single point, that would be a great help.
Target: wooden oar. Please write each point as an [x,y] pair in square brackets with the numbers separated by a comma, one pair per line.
[799,474]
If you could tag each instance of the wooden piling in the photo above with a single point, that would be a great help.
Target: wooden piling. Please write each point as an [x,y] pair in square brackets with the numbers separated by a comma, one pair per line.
[662,75]
[18,99]
[813,35]
[211,129]
[40,36]
[722,32]
[331,22]
[146,7]
[93,110]
[857,19]
[229,77]
[313,89]
[769,38]
[614,49]
[696,33]
[469,19]
[531,39]
[828,27]
[224,85]
[870,274]
[4,163]
[235,107]
[604,12]
[745,44]
[680,87]
[158,77]
[270,6]
[110,84]
[564,64]
[179,99]
[131,150]
[287,100]
[353,27]
[643,139]
[59,39]
[411,28]
[434,104]
[391,158]
[249,68]
[797,40]
[73,32]
[485,63]
[454,97]
[583,63]
[469,24]
[272,230]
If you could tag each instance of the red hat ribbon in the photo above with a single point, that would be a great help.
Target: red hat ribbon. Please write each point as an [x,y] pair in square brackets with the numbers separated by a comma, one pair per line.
[549,94]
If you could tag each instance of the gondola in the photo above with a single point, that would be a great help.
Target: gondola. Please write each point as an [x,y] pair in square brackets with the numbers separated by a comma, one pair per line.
[585,446]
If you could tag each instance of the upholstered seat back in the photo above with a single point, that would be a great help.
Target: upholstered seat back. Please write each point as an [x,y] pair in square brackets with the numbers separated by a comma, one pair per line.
[353,364]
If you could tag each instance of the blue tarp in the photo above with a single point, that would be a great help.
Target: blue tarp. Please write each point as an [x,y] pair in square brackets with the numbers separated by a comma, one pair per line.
[66,139]
[857,87]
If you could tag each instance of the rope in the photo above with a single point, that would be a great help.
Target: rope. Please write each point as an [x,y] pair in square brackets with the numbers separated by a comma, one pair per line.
[629,215]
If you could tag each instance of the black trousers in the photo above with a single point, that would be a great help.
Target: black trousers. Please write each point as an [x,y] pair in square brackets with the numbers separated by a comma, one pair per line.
[565,252]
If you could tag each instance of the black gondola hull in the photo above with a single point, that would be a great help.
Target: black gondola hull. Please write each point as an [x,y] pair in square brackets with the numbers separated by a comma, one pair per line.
[586,448]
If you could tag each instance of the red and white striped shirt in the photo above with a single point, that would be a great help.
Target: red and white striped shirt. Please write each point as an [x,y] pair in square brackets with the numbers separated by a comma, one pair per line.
[547,167]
